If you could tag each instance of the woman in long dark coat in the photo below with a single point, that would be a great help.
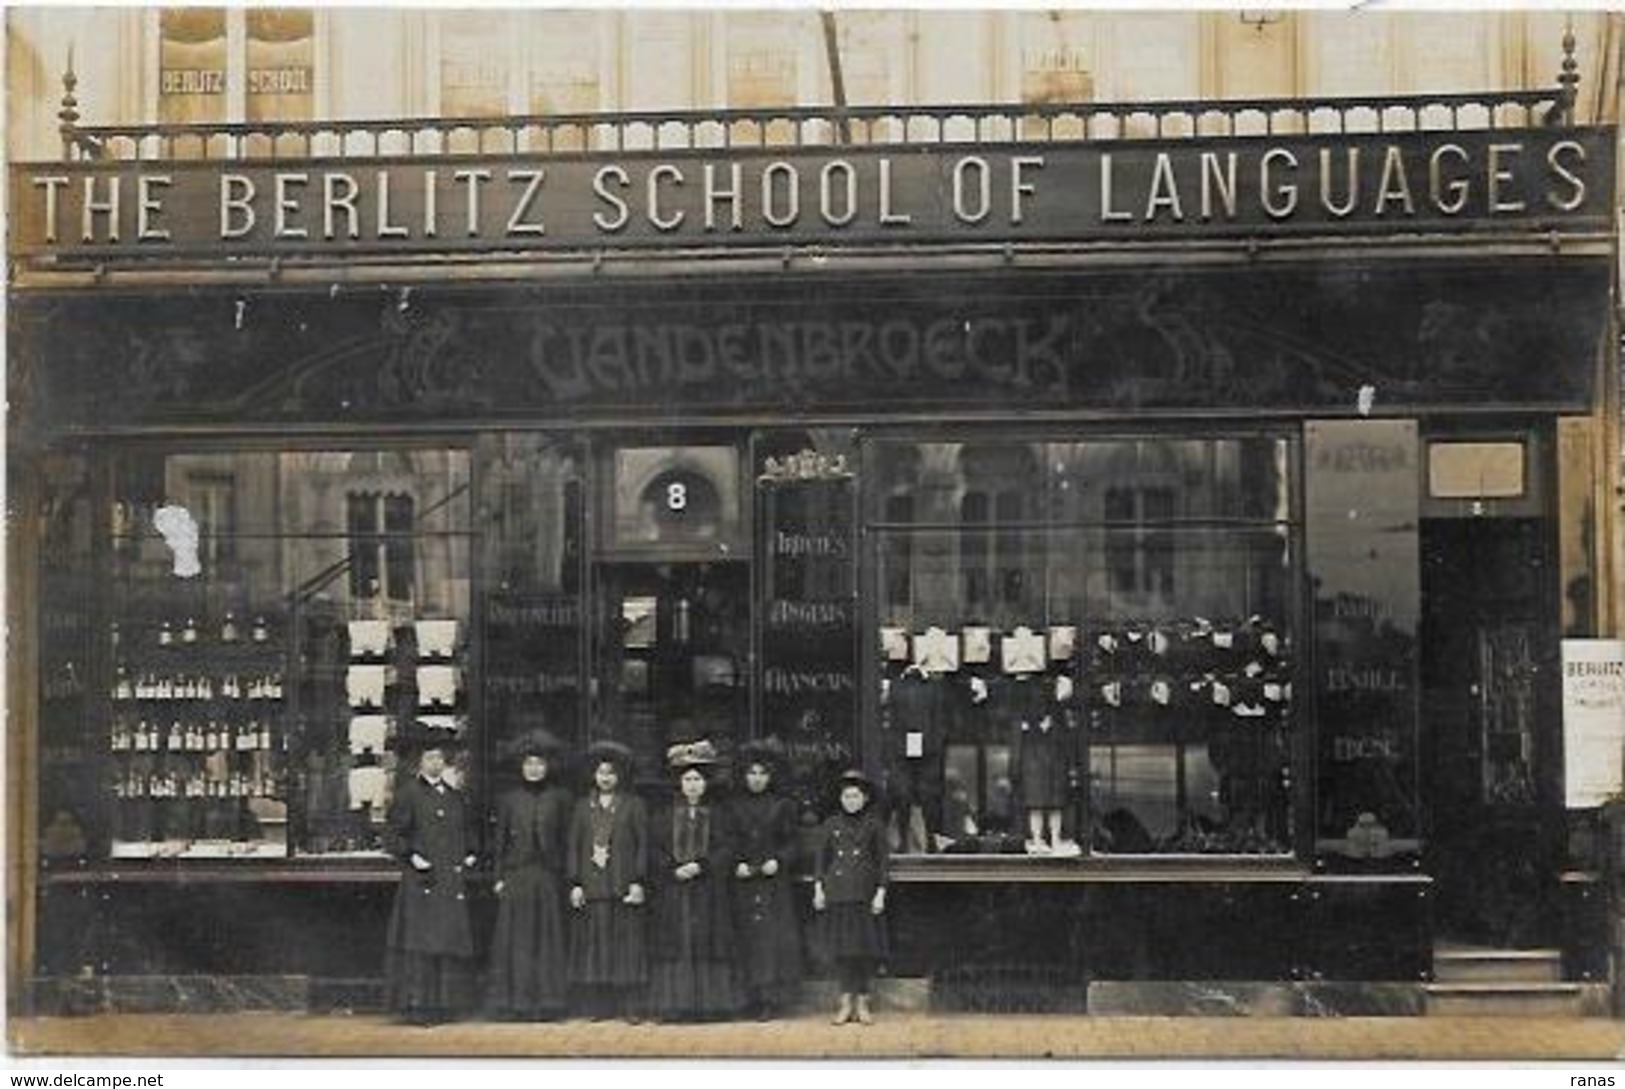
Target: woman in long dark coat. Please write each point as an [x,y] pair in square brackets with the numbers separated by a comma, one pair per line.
[762,827]
[692,944]
[607,864]
[849,891]
[529,971]
[429,947]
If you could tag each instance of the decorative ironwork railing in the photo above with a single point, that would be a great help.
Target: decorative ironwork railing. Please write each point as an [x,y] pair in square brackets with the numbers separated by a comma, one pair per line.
[779,129]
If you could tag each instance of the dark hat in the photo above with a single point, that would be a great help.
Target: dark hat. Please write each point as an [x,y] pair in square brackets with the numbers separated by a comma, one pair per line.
[537,742]
[855,777]
[417,736]
[612,752]
[766,751]
[692,754]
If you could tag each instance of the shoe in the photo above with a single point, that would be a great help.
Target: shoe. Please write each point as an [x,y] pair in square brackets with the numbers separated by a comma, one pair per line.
[865,1017]
[1037,847]
[843,1012]
[1068,848]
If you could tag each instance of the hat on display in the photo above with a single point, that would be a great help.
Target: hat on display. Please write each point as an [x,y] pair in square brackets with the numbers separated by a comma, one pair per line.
[538,741]
[692,754]
[610,752]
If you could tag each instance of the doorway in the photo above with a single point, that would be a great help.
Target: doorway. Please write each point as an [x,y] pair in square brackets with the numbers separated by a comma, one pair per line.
[1488,703]
[673,647]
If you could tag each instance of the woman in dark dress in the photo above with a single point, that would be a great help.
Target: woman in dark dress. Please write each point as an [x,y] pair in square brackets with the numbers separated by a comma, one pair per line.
[762,828]
[529,973]
[849,892]
[429,947]
[606,864]
[692,944]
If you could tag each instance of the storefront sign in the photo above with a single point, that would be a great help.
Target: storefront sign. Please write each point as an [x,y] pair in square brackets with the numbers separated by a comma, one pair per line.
[1429,181]
[1593,721]
[1362,487]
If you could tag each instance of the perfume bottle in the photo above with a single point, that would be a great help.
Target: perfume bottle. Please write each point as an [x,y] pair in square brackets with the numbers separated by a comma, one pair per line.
[228,629]
[189,633]
[260,632]
[166,638]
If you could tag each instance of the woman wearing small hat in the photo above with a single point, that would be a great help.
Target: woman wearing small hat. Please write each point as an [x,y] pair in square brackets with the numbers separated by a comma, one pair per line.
[849,892]
[692,941]
[430,944]
[606,865]
[762,826]
[529,973]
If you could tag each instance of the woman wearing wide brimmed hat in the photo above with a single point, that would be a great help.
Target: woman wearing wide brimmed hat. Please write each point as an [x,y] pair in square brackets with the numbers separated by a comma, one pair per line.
[529,969]
[692,940]
[430,944]
[763,828]
[606,865]
[849,893]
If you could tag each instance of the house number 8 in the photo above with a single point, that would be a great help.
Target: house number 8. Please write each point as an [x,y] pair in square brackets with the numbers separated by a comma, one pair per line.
[676,496]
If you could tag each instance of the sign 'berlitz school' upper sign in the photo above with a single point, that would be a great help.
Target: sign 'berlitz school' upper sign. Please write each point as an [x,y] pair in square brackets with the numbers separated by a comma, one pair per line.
[1452,182]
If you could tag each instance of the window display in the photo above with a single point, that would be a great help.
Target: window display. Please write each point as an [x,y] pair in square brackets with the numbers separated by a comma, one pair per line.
[275,620]
[1085,643]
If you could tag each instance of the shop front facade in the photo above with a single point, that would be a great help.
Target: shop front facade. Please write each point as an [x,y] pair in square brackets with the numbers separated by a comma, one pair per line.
[1181,525]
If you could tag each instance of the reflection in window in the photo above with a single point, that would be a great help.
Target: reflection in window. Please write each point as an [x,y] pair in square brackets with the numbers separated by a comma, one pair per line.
[1156,579]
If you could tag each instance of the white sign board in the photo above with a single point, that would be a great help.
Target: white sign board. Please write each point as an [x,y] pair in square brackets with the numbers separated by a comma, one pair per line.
[1593,720]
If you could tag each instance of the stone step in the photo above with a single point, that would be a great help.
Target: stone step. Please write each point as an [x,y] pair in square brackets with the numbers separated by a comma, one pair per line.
[1473,965]
[1534,1000]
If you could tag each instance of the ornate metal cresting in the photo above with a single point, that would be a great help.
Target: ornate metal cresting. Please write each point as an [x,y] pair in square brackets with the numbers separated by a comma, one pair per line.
[821,126]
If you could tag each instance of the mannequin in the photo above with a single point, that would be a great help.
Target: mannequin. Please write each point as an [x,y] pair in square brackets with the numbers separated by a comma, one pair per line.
[1041,741]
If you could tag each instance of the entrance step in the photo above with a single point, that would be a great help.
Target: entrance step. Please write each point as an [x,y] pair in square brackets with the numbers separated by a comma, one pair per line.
[1531,1000]
[1474,964]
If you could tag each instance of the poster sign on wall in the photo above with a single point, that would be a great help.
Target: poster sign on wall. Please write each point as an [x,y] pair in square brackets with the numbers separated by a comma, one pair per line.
[1593,720]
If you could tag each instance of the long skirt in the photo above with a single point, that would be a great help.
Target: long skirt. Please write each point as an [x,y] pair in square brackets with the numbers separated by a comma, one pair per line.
[769,932]
[427,982]
[607,945]
[851,930]
[693,971]
[529,973]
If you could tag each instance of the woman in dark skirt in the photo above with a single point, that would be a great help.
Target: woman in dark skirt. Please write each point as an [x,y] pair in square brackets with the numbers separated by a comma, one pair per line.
[429,947]
[529,974]
[606,863]
[692,943]
[762,827]
[849,892]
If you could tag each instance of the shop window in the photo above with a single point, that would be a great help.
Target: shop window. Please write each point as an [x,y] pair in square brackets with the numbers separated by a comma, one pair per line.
[271,618]
[1094,651]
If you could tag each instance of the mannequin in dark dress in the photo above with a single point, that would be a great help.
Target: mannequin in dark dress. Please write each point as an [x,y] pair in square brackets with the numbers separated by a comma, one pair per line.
[529,970]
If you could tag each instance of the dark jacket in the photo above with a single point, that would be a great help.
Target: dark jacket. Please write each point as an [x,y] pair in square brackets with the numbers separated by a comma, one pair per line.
[629,848]
[431,914]
[763,826]
[852,857]
[692,918]
[530,829]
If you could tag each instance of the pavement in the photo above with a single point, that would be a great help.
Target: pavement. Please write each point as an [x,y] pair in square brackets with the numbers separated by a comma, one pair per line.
[894,1036]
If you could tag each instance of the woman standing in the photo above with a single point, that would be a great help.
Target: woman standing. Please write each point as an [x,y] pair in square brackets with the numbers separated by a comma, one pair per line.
[430,944]
[849,891]
[606,864]
[693,942]
[762,827]
[529,974]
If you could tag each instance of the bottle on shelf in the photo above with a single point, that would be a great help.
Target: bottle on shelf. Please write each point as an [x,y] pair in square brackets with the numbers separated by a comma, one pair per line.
[228,629]
[166,638]
[189,632]
[122,689]
[260,632]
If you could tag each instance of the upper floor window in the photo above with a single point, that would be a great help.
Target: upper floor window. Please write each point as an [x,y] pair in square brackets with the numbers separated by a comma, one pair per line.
[228,64]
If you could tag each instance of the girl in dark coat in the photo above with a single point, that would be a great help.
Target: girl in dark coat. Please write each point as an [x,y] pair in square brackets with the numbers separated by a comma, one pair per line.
[529,973]
[762,827]
[692,942]
[430,945]
[849,891]
[606,864]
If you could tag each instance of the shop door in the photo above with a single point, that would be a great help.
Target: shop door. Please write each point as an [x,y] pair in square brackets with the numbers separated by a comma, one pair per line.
[1487,708]
[673,649]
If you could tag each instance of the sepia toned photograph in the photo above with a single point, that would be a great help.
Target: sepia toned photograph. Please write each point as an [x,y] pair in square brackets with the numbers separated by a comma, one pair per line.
[796,533]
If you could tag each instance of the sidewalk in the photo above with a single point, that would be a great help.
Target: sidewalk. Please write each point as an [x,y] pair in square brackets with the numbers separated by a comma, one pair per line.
[898,1035]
